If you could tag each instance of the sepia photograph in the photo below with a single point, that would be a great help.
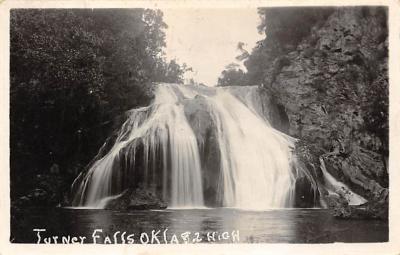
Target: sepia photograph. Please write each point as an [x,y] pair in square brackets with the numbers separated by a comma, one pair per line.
[250,125]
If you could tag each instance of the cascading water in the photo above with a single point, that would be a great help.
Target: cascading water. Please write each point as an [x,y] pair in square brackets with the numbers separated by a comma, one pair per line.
[335,187]
[255,170]
[162,129]
[255,158]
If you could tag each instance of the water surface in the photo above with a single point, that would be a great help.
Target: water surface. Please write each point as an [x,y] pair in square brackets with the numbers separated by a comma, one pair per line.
[274,226]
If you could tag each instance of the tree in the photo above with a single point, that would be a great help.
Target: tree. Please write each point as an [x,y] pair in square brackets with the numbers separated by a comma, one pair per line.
[170,72]
[232,75]
[72,71]
[284,29]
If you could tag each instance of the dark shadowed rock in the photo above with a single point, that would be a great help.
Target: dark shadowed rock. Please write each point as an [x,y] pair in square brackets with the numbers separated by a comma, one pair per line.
[138,199]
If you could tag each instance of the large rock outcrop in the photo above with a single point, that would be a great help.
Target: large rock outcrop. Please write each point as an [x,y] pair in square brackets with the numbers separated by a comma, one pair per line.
[330,85]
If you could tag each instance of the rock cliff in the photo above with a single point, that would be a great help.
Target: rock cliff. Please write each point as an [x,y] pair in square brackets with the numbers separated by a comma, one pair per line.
[333,87]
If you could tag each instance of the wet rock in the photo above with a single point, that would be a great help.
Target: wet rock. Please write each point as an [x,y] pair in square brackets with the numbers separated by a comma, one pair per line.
[138,199]
[335,201]
[308,187]
[202,122]
[306,195]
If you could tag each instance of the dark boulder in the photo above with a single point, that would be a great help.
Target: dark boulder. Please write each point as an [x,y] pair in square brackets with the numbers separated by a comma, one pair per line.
[138,199]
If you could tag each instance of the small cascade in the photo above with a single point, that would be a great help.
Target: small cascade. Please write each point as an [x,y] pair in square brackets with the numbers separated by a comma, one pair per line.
[336,187]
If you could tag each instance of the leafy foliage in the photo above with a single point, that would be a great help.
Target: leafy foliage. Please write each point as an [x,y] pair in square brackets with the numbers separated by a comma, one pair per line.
[232,76]
[284,29]
[71,72]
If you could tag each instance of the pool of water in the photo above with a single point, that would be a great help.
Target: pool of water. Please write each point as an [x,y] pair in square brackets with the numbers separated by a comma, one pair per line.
[220,225]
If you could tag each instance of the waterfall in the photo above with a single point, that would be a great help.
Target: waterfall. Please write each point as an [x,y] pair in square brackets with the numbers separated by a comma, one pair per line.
[254,157]
[162,129]
[158,149]
[335,187]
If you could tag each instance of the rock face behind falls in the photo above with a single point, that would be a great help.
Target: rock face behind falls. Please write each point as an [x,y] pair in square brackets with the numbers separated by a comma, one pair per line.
[200,146]
[333,85]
